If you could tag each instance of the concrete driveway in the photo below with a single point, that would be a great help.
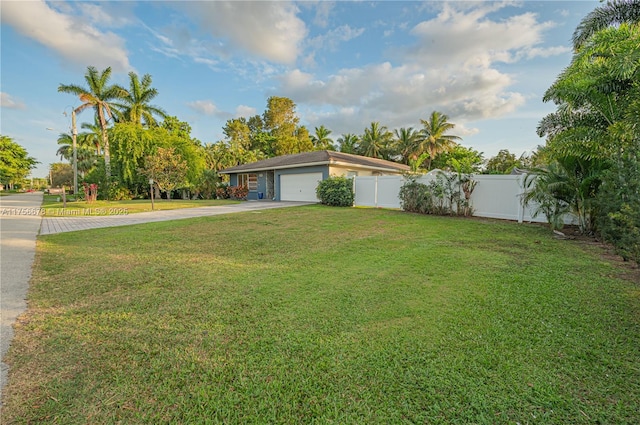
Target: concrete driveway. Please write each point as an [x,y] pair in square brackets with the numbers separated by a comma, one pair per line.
[20,221]
[60,224]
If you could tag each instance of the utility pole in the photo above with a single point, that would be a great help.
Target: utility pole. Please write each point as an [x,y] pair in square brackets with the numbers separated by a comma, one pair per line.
[74,134]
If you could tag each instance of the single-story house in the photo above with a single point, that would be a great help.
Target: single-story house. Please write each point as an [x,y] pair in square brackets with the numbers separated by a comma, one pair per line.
[295,177]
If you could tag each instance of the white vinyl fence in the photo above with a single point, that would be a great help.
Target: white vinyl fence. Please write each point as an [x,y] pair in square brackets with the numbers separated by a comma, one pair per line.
[495,196]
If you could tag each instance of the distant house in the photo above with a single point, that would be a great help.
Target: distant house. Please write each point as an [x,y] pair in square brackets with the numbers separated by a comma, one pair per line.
[295,177]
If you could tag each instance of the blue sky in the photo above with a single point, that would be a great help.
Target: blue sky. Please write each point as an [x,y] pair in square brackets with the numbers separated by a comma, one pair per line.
[345,64]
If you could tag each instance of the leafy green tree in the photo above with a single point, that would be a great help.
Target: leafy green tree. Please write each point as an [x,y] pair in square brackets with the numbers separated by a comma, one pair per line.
[282,124]
[131,144]
[303,140]
[613,13]
[237,132]
[99,95]
[459,159]
[61,174]
[176,127]
[221,155]
[348,143]
[434,138]
[618,203]
[167,168]
[15,164]
[321,140]
[503,163]
[136,107]
[598,106]
[406,144]
[375,142]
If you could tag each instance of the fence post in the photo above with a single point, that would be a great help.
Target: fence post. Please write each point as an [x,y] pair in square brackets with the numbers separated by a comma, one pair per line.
[375,192]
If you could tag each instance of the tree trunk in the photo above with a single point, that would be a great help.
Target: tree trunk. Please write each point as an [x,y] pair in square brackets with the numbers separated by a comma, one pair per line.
[105,144]
[156,191]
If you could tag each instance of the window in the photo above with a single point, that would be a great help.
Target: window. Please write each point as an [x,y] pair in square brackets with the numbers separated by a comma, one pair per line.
[248,180]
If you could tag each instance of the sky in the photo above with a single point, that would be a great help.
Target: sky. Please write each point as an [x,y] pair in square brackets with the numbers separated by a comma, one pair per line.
[345,63]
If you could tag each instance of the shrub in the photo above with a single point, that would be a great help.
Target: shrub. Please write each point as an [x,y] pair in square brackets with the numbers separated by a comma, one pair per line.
[238,192]
[618,203]
[448,194]
[336,192]
[222,192]
[118,193]
[416,197]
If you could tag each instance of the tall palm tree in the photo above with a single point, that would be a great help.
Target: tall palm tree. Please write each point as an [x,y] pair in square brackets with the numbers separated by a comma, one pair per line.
[98,95]
[375,141]
[407,144]
[610,14]
[321,140]
[348,143]
[434,140]
[136,107]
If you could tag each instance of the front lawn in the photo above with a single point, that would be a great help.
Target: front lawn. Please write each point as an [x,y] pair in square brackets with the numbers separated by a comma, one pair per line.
[324,315]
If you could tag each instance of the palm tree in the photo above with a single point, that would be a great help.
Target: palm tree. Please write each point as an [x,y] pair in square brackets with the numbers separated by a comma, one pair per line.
[93,136]
[434,140]
[85,154]
[136,107]
[348,143]
[613,13]
[99,96]
[596,97]
[66,146]
[375,141]
[407,144]
[566,186]
[321,140]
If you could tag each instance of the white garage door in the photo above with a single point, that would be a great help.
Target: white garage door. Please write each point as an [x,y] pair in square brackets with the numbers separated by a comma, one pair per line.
[299,187]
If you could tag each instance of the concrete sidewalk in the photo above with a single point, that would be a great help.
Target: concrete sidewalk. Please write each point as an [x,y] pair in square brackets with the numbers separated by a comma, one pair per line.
[20,221]
[19,224]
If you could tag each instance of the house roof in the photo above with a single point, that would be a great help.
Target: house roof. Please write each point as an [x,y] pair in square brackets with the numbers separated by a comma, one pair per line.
[307,159]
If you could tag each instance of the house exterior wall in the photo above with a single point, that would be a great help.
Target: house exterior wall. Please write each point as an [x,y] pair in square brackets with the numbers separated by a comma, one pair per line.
[262,179]
[253,194]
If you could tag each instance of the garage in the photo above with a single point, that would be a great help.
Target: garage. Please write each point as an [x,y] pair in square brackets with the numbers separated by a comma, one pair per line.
[299,187]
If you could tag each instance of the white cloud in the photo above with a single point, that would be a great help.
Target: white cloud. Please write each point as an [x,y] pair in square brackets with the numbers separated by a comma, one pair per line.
[469,36]
[451,68]
[323,11]
[270,30]
[245,111]
[545,52]
[206,107]
[72,38]
[332,38]
[112,15]
[7,101]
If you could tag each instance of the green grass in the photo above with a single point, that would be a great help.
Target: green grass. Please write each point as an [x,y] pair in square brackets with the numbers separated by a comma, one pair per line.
[51,205]
[324,315]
